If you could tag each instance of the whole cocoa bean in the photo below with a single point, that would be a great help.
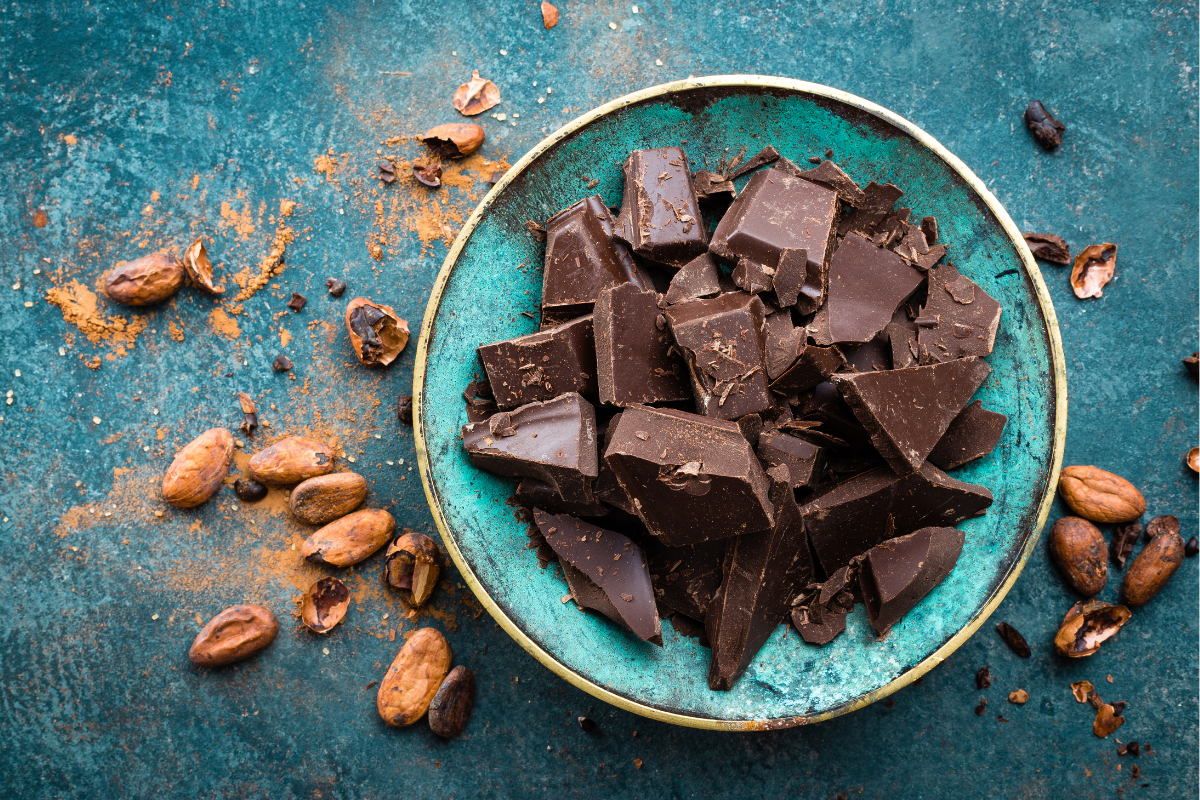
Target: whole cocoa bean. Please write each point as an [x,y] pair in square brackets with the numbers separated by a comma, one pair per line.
[327,497]
[1153,567]
[235,634]
[1100,496]
[413,678]
[198,469]
[292,460]
[451,706]
[350,539]
[1078,548]
[146,280]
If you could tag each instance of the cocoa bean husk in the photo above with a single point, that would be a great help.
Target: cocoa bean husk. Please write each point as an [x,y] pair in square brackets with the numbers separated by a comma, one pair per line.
[324,605]
[377,333]
[199,268]
[1087,625]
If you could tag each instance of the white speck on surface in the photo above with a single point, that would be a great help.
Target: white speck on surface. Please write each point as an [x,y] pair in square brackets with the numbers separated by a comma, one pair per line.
[502,117]
[658,62]
[154,412]
[453,52]
[350,459]
[95,420]
[17,372]
[325,650]
[62,351]
[378,436]
[612,25]
[402,461]
[549,91]
[28,304]
[391,463]
[541,100]
[503,52]
[146,448]
[635,10]
[154,616]
[37,272]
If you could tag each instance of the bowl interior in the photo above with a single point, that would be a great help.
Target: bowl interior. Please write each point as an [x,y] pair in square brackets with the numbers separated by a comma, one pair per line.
[496,275]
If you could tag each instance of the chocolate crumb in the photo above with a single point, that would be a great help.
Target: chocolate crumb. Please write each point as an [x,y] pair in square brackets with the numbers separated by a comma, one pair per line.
[404,409]
[983,678]
[889,703]
[1015,641]
[1001,718]
[1119,707]
[536,231]
[982,707]
[1130,749]
[336,286]
[593,183]
[297,302]
[1045,128]
[281,363]
[815,159]
[1192,363]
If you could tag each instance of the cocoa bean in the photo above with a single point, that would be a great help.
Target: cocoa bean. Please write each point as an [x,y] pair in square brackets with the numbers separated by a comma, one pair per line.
[146,280]
[198,469]
[413,564]
[1153,567]
[350,539]
[1078,548]
[292,460]
[327,497]
[1087,625]
[413,678]
[1100,496]
[451,705]
[234,634]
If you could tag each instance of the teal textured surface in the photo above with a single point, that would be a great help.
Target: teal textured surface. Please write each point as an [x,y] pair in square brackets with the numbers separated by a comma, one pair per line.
[496,281]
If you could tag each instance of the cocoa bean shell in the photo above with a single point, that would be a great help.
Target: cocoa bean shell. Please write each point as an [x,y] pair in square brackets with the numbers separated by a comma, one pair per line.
[324,605]
[1100,496]
[384,332]
[451,706]
[1079,551]
[351,539]
[1152,568]
[413,678]
[233,635]
[145,281]
[327,497]
[292,460]
[412,566]
[198,469]
[1087,625]
[454,139]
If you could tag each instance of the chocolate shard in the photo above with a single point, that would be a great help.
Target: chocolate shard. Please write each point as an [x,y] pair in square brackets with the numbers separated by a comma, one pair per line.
[873,356]
[827,406]
[751,427]
[973,434]
[795,284]
[542,365]
[906,411]
[554,442]
[767,155]
[697,278]
[819,612]
[803,460]
[899,573]
[877,202]
[690,478]
[915,249]
[634,358]
[967,317]
[776,212]
[760,576]
[613,563]
[753,277]
[830,175]
[710,186]
[821,627]
[859,513]
[686,578]
[901,334]
[608,489]
[660,215]
[582,258]
[784,343]
[930,228]
[722,341]
[533,493]
[866,285]
[813,366]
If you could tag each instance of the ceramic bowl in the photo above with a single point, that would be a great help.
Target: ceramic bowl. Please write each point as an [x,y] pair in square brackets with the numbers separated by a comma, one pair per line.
[489,289]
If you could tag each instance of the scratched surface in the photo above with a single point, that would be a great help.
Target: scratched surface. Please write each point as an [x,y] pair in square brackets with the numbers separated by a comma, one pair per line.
[129,127]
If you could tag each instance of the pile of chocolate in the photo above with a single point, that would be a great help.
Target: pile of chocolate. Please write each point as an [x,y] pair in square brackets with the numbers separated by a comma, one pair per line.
[740,403]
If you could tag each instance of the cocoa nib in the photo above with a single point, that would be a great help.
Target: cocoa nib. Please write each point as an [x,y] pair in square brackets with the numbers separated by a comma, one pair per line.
[1129,749]
[1015,641]
[404,409]
[1045,128]
[249,490]
[387,172]
[324,604]
[1081,690]
[1166,523]
[982,707]
[549,15]
[1123,540]
[297,302]
[250,415]
[377,333]
[281,363]
[412,566]
[983,678]
[336,286]
[1107,721]
[428,174]
[1048,247]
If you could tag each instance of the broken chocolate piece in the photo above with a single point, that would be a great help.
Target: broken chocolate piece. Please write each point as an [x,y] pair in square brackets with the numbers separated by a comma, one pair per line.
[898,573]
[784,343]
[866,286]
[722,340]
[297,302]
[929,227]
[634,359]
[973,434]
[554,442]
[1045,128]
[613,563]
[753,277]
[798,283]
[877,202]
[751,427]
[777,212]
[336,286]
[660,216]
[854,515]
[818,626]
[803,460]
[830,175]
[759,578]
[686,578]
[906,411]
[697,278]
[874,356]
[709,186]
[1048,247]
[533,493]
[582,258]
[763,157]
[967,317]
[543,365]
[691,479]
[281,363]
[813,366]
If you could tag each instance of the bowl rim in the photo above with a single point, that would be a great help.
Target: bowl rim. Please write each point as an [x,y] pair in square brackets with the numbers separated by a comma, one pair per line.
[1027,262]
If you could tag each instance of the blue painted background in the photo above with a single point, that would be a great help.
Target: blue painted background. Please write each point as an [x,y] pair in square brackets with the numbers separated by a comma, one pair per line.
[97,698]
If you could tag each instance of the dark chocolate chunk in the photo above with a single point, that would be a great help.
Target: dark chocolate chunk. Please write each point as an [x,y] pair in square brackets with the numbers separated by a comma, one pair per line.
[760,576]
[753,277]
[818,626]
[1045,128]
[722,340]
[877,202]
[983,678]
[686,578]
[613,563]
[691,479]
[281,363]
[297,302]
[901,334]
[634,358]
[542,365]
[866,286]
[751,427]
[608,489]
[776,212]
[898,573]
[967,317]
[554,442]
[404,409]
[803,460]
[929,227]
[534,493]
[906,411]
[660,216]
[874,356]
[336,286]
[710,186]
[582,258]
[1015,641]
[763,157]
[915,249]
[1123,539]
[1131,748]
[691,628]
[859,513]
[481,403]
[697,278]
[826,406]
[784,343]
[1048,247]
[973,434]
[813,366]
[830,175]
[797,282]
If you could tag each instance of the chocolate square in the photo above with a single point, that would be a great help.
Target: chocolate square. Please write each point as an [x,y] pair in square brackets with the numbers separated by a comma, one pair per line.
[966,317]
[660,216]
[582,258]
[634,357]
[542,365]
[866,285]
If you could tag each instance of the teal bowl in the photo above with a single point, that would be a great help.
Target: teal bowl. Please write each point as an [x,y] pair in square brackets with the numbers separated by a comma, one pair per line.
[492,279]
